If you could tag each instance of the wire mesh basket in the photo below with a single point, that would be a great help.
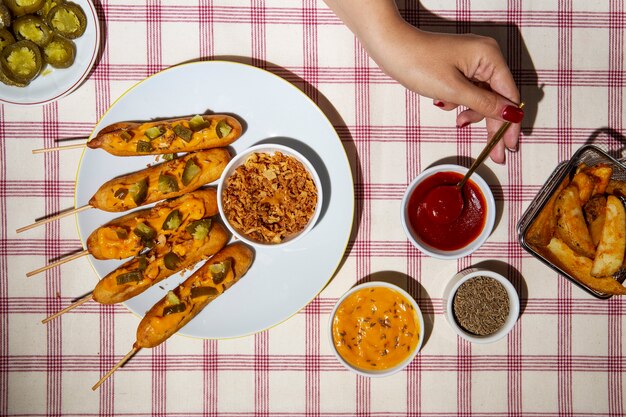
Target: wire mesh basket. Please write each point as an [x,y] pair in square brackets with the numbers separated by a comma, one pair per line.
[589,155]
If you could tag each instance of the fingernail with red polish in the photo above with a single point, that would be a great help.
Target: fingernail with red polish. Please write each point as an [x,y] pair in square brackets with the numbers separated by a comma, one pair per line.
[512,114]
[438,103]
[463,125]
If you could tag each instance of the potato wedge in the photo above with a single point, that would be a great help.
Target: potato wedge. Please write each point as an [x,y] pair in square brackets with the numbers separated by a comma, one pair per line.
[601,174]
[595,215]
[570,223]
[585,185]
[610,252]
[616,187]
[579,267]
[543,227]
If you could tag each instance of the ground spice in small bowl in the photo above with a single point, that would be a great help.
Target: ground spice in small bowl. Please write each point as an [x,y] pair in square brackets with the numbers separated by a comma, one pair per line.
[481,305]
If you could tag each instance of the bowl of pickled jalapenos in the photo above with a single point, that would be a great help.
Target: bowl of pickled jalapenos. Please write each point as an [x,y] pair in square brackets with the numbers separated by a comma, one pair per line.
[35,34]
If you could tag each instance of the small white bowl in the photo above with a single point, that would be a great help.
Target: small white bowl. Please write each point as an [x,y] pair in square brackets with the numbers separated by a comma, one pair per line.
[427,249]
[240,159]
[466,275]
[401,365]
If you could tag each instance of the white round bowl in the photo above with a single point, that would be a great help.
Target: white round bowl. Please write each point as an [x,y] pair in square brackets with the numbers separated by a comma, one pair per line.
[401,365]
[471,247]
[466,275]
[240,159]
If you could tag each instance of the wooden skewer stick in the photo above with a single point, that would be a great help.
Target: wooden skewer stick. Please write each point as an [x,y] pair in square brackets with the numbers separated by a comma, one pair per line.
[122,361]
[72,306]
[57,263]
[59,148]
[53,218]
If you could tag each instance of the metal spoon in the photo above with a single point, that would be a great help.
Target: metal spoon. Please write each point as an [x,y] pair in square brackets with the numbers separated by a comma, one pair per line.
[446,202]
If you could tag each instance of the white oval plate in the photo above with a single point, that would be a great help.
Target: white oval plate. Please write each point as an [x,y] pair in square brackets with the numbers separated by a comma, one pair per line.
[55,83]
[281,281]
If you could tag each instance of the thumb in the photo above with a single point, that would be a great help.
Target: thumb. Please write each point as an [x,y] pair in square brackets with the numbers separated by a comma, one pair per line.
[488,103]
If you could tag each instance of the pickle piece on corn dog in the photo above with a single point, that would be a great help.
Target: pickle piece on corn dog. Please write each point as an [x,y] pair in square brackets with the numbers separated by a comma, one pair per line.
[140,273]
[183,303]
[158,182]
[168,136]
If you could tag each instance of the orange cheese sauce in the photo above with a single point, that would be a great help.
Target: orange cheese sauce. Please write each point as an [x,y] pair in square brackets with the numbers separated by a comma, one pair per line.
[111,246]
[375,328]
[169,140]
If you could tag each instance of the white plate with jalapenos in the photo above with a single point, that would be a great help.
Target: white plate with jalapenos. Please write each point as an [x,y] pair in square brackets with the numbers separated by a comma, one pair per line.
[54,83]
[281,280]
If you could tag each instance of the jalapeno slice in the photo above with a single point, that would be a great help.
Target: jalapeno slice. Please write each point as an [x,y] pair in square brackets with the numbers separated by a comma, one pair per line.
[222,129]
[60,52]
[21,61]
[168,183]
[47,6]
[199,229]
[176,308]
[139,191]
[197,123]
[22,7]
[190,172]
[6,38]
[145,232]
[219,271]
[172,221]
[132,276]
[171,261]
[183,132]
[203,292]
[33,28]
[68,20]
[5,16]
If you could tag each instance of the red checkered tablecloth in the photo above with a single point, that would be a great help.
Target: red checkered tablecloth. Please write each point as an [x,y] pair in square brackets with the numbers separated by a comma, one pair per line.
[565,356]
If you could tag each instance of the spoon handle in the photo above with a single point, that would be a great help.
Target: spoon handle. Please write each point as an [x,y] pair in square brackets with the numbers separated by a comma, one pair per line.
[485,153]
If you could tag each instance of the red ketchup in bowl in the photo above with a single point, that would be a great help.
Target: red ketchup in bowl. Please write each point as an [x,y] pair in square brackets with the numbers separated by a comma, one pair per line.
[460,231]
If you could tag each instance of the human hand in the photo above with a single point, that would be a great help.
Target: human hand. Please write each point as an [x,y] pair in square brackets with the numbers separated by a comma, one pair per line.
[466,70]
[453,70]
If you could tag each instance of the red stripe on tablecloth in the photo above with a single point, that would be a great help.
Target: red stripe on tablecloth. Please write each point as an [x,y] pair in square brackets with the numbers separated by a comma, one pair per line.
[322,306]
[364,209]
[615,381]
[159,365]
[205,32]
[564,122]
[439,18]
[261,374]
[512,195]
[4,271]
[144,362]
[413,263]
[153,40]
[259,37]
[210,374]
[51,251]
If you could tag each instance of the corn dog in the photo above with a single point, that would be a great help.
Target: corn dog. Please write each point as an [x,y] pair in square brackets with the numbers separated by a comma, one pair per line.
[140,273]
[167,136]
[182,304]
[166,180]
[126,236]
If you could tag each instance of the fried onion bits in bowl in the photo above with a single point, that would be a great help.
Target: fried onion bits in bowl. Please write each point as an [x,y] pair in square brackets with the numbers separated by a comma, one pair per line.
[269,195]
[376,329]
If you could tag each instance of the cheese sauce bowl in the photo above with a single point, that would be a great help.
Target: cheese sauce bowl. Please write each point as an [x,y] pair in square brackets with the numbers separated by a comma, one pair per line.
[376,329]
[455,239]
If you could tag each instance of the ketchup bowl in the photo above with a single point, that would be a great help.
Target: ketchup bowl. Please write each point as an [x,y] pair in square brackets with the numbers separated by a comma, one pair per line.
[439,236]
